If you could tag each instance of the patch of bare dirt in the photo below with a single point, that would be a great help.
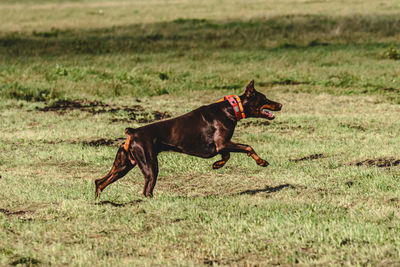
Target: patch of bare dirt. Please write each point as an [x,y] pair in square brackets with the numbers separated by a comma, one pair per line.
[62,106]
[10,213]
[133,113]
[353,126]
[391,89]
[25,261]
[283,82]
[379,162]
[345,241]
[255,123]
[310,157]
[278,126]
[95,142]
[289,128]
[103,142]
[156,116]
[213,261]
[114,204]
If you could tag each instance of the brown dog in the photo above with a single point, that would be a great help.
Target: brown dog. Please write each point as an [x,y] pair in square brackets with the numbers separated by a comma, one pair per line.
[203,132]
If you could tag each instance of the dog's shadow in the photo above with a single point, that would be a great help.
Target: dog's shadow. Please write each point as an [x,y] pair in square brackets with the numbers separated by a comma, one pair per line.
[115,204]
[267,189]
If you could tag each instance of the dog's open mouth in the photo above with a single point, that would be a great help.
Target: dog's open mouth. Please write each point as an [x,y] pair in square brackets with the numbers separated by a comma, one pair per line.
[265,111]
[267,114]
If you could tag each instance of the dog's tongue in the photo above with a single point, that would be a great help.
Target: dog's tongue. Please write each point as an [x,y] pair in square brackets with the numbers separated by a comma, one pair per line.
[268,114]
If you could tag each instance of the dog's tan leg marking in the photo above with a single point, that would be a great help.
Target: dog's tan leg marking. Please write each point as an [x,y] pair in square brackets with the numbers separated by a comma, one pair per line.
[253,154]
[127,142]
[126,148]
[220,163]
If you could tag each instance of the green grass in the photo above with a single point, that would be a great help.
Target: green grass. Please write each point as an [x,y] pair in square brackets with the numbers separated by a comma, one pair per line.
[323,200]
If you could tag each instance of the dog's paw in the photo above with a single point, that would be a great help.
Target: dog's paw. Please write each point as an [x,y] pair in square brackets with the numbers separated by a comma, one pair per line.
[218,164]
[262,163]
[97,194]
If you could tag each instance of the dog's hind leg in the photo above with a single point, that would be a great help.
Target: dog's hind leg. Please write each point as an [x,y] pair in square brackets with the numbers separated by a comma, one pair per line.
[123,163]
[146,159]
[220,163]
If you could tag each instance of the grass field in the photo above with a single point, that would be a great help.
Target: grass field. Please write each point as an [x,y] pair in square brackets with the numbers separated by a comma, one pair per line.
[75,74]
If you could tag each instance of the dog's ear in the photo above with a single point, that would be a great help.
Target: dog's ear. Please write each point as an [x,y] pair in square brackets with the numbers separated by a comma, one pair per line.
[249,89]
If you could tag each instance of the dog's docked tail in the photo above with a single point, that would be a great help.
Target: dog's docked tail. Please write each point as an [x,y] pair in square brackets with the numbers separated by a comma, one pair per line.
[129,132]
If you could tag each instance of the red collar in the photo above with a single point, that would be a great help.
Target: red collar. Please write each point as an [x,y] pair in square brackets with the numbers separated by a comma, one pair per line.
[236,104]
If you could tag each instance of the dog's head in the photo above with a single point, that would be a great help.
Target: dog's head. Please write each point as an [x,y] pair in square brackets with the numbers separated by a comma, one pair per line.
[255,104]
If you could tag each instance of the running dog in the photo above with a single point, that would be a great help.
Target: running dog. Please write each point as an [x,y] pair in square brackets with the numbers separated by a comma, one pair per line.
[203,132]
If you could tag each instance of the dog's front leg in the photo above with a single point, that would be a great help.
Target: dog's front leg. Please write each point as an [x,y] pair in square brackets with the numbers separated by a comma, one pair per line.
[220,163]
[242,148]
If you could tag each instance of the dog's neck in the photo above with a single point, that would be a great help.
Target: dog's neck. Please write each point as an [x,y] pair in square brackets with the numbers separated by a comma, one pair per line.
[236,104]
